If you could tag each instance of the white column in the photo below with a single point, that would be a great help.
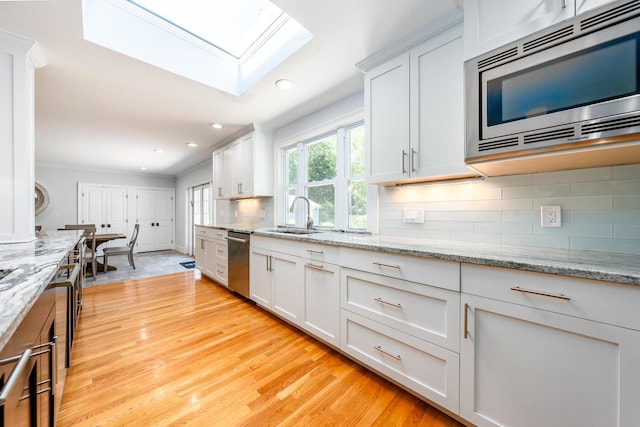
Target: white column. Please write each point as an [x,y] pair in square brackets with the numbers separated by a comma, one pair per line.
[19,57]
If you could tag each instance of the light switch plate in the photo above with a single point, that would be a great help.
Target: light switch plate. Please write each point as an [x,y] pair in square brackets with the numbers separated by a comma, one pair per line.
[414,216]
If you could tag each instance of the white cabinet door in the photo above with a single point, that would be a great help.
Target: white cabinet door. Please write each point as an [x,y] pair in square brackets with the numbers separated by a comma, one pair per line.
[322,301]
[200,253]
[260,277]
[489,24]
[230,172]
[288,286]
[218,174]
[387,120]
[245,182]
[437,107]
[523,367]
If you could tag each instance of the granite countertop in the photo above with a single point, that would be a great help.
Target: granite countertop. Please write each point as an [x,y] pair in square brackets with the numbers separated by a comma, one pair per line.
[610,267]
[34,264]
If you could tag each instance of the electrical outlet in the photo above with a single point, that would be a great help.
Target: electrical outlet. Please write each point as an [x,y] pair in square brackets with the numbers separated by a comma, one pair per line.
[262,214]
[415,216]
[550,216]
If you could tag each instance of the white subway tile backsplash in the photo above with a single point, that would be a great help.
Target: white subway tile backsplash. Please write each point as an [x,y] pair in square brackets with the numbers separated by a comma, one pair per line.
[576,175]
[626,172]
[600,209]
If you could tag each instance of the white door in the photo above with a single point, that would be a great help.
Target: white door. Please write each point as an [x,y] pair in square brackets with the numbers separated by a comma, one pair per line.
[163,227]
[92,207]
[116,212]
[527,367]
[146,200]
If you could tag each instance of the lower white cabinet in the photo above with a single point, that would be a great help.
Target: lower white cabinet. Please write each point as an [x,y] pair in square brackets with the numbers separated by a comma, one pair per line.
[428,369]
[408,330]
[322,300]
[526,366]
[211,253]
[303,290]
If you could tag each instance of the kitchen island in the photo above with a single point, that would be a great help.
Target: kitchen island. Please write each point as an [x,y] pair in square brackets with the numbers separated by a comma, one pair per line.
[32,265]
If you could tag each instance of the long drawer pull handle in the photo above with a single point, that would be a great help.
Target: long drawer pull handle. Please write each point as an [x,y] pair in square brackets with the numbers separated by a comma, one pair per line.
[311,251]
[23,360]
[380,264]
[383,351]
[235,239]
[317,267]
[380,300]
[544,294]
[466,320]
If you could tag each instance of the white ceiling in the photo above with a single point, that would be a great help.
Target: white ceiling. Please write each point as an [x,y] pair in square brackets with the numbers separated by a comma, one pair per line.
[97,109]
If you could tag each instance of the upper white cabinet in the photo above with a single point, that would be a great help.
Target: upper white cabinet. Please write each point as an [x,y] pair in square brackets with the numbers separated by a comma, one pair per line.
[244,167]
[489,24]
[414,113]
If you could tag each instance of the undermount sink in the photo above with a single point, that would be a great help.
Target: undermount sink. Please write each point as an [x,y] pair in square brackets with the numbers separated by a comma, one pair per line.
[287,230]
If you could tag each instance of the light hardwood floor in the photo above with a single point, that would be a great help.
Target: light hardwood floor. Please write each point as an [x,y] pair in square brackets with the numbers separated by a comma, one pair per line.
[172,350]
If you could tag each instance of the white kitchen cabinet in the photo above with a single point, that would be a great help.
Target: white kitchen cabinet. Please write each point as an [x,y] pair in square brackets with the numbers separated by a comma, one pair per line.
[537,357]
[106,207]
[400,316]
[489,24]
[244,167]
[414,113]
[211,253]
[218,174]
[304,290]
[155,212]
[321,315]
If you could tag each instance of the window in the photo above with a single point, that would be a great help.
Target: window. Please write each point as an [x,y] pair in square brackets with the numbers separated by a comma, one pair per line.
[329,171]
[202,205]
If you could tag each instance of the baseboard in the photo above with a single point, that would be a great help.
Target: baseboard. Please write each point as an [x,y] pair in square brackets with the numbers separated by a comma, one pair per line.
[181,249]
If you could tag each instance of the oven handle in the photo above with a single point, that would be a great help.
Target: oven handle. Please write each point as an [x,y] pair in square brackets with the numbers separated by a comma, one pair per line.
[235,239]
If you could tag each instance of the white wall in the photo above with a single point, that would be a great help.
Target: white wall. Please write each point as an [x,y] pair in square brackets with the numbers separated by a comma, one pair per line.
[62,186]
[600,209]
[200,174]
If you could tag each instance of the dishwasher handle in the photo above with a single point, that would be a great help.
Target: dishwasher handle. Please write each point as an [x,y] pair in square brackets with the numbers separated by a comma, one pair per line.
[235,239]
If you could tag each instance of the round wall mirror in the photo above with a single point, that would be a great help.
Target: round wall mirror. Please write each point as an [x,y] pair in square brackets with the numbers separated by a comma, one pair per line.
[42,199]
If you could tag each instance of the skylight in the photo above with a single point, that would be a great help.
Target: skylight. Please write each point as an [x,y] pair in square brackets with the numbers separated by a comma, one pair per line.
[233,26]
[226,44]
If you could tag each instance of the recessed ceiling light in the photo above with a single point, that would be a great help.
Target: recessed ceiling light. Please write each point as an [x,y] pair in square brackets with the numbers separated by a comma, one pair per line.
[284,84]
[143,168]
[158,150]
[191,144]
[216,125]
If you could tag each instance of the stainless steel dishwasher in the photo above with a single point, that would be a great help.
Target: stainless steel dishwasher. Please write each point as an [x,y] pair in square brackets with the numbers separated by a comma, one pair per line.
[238,247]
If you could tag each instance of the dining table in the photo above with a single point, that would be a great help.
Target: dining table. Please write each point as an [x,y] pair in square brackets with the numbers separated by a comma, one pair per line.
[102,239]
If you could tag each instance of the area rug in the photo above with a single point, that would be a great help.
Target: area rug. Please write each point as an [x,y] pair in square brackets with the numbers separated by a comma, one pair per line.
[188,264]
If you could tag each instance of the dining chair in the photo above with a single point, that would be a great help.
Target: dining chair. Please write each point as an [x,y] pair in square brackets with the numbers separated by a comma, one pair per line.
[90,256]
[123,250]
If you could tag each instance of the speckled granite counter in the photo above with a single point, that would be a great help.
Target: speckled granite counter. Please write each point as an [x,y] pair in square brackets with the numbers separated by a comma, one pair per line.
[35,263]
[619,268]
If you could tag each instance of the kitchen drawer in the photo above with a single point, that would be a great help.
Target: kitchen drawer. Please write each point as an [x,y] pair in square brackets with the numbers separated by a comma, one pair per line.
[221,251]
[428,369]
[277,244]
[443,274]
[221,273]
[210,233]
[320,253]
[426,312]
[606,302]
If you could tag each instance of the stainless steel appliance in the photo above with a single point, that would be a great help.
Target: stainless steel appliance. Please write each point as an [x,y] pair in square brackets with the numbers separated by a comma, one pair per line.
[238,248]
[575,84]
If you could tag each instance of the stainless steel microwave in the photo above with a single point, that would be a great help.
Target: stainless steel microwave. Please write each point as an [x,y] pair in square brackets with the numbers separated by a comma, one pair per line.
[574,84]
